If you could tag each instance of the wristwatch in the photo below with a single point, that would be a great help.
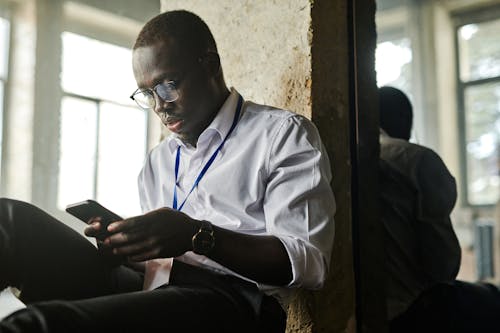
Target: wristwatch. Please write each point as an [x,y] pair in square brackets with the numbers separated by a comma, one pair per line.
[204,241]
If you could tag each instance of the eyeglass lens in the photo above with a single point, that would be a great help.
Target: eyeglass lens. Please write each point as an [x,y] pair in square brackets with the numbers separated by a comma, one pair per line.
[166,91]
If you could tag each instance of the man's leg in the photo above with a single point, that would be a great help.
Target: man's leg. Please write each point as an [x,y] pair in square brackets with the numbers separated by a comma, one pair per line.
[170,309]
[196,301]
[46,259]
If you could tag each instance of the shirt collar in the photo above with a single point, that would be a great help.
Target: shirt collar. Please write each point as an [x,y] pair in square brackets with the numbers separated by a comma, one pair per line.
[220,125]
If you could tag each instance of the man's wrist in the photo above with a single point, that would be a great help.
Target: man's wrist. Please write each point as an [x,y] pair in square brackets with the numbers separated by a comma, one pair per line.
[203,241]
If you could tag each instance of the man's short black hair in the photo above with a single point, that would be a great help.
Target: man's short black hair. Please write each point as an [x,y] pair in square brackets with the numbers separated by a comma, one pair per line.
[396,112]
[188,30]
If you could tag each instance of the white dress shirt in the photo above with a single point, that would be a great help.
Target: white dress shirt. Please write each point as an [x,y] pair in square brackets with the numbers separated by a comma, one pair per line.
[272,177]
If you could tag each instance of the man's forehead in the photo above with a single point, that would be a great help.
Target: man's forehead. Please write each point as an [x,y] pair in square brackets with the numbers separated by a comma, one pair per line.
[157,61]
[167,52]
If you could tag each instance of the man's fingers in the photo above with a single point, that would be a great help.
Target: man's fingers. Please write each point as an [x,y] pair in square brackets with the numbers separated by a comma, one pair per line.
[93,228]
[134,249]
[152,254]
[126,224]
[121,238]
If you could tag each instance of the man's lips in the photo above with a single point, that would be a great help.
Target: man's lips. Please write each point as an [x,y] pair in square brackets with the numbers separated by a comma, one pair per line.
[173,124]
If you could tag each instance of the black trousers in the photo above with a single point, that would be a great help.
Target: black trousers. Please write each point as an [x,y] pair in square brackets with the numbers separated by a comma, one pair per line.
[70,287]
[455,306]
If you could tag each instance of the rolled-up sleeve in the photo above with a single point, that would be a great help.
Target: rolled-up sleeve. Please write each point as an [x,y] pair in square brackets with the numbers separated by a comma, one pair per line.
[299,204]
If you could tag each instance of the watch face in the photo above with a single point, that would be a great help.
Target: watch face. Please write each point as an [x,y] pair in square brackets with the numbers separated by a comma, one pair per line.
[203,242]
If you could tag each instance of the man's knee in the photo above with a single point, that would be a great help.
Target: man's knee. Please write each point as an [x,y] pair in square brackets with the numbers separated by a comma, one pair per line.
[9,206]
[25,320]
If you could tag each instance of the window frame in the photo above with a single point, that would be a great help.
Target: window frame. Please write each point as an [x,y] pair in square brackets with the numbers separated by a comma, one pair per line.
[461,19]
[98,102]
[119,31]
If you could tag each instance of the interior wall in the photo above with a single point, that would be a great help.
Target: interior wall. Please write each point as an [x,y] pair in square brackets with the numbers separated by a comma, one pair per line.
[139,11]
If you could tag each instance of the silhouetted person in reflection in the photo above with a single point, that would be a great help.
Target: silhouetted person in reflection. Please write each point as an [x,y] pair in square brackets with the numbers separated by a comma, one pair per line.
[418,194]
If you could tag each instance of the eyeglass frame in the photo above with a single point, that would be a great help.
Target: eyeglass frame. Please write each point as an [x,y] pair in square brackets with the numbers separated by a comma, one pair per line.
[173,83]
[154,93]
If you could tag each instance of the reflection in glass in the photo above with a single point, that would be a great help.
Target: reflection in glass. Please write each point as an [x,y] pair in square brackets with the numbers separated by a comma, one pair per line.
[393,63]
[77,151]
[479,47]
[482,111]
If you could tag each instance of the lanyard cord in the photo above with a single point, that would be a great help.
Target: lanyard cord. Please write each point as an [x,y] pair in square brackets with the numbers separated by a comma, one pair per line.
[209,162]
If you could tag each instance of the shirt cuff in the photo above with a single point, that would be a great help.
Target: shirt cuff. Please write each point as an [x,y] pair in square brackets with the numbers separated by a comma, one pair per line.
[157,273]
[309,267]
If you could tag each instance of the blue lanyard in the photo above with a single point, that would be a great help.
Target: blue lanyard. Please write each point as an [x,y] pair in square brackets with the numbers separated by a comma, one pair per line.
[209,162]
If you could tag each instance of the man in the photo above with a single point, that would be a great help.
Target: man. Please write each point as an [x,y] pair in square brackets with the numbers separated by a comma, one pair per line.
[239,195]
[417,196]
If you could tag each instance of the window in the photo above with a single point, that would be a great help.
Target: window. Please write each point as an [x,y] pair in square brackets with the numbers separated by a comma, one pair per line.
[395,54]
[4,55]
[393,63]
[103,134]
[478,48]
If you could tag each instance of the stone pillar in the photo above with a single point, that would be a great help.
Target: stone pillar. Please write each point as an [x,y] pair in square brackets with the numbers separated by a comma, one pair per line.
[265,47]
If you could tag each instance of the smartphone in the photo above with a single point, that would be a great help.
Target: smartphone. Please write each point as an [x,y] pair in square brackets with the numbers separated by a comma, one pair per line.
[88,209]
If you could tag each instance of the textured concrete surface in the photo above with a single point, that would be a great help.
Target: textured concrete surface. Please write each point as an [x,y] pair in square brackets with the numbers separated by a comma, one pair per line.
[264,47]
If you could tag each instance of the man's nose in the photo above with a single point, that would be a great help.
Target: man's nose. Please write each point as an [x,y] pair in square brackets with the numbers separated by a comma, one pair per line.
[161,105]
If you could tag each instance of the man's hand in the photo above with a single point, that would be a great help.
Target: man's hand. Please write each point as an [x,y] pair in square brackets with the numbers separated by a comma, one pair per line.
[161,233]
[93,228]
[165,233]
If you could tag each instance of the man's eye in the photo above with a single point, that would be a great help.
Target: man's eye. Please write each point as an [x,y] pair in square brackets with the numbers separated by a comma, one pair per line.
[162,90]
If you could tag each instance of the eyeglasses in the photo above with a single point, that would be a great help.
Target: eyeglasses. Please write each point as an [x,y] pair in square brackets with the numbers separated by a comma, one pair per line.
[146,100]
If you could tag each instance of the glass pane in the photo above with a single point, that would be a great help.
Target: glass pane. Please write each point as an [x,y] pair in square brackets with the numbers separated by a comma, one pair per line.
[96,69]
[77,151]
[482,110]
[122,148]
[4,47]
[393,64]
[479,47]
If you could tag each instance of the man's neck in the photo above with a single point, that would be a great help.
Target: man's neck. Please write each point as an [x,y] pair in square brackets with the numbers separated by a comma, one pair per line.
[217,105]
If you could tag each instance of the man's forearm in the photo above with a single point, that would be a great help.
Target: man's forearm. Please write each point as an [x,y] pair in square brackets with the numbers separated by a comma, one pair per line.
[261,258]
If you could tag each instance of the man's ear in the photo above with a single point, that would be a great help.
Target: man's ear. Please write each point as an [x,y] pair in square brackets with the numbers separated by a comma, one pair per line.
[211,63]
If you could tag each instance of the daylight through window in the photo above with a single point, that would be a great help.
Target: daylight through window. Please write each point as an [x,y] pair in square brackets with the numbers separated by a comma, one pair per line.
[103,135]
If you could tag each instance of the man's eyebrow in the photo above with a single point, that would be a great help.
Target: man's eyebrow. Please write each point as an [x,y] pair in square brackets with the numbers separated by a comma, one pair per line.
[169,76]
